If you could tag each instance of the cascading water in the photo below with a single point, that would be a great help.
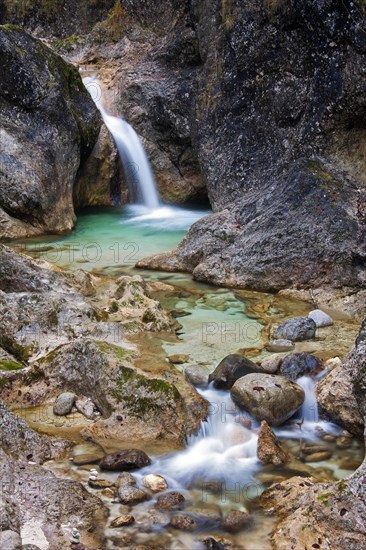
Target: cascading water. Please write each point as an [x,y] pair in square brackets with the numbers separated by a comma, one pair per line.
[223,451]
[139,175]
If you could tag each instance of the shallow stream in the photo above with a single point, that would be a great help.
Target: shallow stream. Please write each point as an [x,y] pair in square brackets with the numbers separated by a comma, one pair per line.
[218,471]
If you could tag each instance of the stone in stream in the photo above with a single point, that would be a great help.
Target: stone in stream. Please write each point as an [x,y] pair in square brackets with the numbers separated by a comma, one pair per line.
[280,345]
[131,459]
[178,359]
[132,495]
[100,483]
[270,450]
[230,369]
[156,483]
[318,457]
[296,329]
[217,543]
[170,501]
[198,376]
[320,318]
[125,479]
[298,364]
[122,521]
[185,522]
[64,404]
[271,364]
[268,397]
[236,520]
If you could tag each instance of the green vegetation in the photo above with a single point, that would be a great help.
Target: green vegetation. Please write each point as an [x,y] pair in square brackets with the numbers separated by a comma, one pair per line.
[21,8]
[10,365]
[324,498]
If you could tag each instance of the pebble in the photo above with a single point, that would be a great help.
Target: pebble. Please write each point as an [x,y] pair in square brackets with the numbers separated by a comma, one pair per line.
[280,345]
[236,520]
[122,521]
[156,483]
[318,457]
[64,404]
[170,501]
[132,495]
[184,522]
[100,483]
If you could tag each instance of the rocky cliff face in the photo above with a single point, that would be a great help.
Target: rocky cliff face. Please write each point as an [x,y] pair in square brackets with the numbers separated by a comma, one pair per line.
[265,102]
[48,127]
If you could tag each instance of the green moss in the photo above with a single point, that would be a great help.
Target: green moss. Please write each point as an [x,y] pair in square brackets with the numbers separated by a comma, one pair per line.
[144,396]
[324,498]
[342,485]
[10,365]
[3,381]
[113,28]
[148,317]
[114,307]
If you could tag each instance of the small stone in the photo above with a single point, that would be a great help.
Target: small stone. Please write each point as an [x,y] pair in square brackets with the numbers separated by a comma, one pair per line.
[131,459]
[184,522]
[100,483]
[271,363]
[332,363]
[156,483]
[132,495]
[109,492]
[236,520]
[170,501]
[217,543]
[77,546]
[343,442]
[320,318]
[318,457]
[125,479]
[298,364]
[64,404]
[122,521]
[296,329]
[198,376]
[280,345]
[178,359]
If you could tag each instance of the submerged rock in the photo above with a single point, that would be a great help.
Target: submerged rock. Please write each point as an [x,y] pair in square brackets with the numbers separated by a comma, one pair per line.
[131,495]
[236,520]
[131,459]
[122,521]
[268,397]
[231,369]
[270,450]
[196,375]
[298,364]
[186,522]
[296,329]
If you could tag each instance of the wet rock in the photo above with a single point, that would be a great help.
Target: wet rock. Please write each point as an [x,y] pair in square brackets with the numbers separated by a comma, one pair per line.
[131,459]
[271,364]
[236,521]
[318,457]
[198,376]
[280,345]
[122,521]
[332,363]
[270,450]
[298,364]
[100,483]
[170,501]
[178,359]
[185,522]
[109,492]
[343,442]
[131,495]
[86,407]
[296,329]
[268,397]
[64,404]
[217,543]
[231,369]
[156,483]
[320,318]
[125,479]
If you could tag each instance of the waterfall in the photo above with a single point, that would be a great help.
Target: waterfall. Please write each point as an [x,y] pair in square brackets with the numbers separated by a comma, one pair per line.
[223,451]
[309,409]
[138,172]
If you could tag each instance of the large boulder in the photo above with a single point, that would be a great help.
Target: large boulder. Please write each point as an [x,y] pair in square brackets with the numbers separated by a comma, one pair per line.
[230,369]
[268,397]
[47,117]
[131,459]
